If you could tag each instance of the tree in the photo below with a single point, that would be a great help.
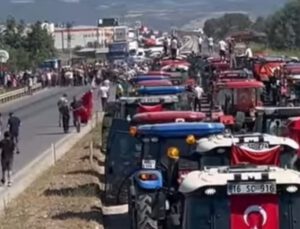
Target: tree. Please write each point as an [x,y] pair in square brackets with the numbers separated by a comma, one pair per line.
[259,24]
[221,27]
[26,49]
[283,27]
[39,44]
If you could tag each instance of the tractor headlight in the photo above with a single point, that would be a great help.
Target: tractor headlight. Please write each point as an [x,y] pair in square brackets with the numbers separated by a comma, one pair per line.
[190,140]
[173,153]
[210,191]
[291,188]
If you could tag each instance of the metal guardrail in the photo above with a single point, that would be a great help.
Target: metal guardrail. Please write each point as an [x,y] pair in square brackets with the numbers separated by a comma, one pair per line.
[18,93]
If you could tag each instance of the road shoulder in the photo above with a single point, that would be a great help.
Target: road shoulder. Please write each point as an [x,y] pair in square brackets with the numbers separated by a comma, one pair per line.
[65,196]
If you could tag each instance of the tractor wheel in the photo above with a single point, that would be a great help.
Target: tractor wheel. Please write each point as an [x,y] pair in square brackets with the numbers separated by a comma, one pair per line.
[144,207]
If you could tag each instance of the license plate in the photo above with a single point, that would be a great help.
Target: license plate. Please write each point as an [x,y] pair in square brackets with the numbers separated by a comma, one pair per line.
[149,164]
[251,188]
[256,145]
[150,100]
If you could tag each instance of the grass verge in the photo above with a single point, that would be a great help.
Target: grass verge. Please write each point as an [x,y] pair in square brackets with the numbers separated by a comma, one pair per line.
[66,196]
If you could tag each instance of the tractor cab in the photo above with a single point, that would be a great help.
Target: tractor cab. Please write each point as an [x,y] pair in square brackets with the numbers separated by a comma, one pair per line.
[218,64]
[177,69]
[273,120]
[129,106]
[291,73]
[238,96]
[167,117]
[241,197]
[119,113]
[156,176]
[146,147]
[256,149]
[264,67]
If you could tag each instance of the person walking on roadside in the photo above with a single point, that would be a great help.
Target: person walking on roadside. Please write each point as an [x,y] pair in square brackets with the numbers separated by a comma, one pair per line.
[13,125]
[198,95]
[62,102]
[200,41]
[30,84]
[8,147]
[210,45]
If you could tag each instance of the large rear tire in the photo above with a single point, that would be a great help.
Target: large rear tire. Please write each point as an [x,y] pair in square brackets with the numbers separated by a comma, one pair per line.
[144,212]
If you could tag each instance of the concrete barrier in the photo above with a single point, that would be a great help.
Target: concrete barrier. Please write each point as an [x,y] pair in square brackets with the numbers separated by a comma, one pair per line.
[24,178]
[15,94]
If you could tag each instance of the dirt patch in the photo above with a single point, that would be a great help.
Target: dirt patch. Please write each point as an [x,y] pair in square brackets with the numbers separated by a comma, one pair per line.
[66,196]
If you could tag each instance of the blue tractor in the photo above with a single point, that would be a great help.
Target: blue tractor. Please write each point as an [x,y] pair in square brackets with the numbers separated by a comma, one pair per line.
[164,156]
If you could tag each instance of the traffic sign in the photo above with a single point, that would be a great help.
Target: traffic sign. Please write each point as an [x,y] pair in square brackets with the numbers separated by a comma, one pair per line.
[4,56]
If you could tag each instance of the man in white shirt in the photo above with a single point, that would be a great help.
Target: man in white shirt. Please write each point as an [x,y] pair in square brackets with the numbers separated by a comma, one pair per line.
[104,93]
[210,45]
[200,41]
[222,49]
[248,53]
[174,46]
[198,94]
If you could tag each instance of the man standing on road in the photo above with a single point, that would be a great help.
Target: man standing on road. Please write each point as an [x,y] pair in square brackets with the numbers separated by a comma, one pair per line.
[200,41]
[30,84]
[210,45]
[13,125]
[7,146]
[62,102]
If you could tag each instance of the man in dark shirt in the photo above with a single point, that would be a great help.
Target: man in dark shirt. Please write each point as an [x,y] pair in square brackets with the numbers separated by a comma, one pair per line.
[7,146]
[75,106]
[13,125]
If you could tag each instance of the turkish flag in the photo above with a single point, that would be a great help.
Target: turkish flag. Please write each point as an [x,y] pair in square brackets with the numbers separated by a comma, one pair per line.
[254,212]
[87,102]
[240,154]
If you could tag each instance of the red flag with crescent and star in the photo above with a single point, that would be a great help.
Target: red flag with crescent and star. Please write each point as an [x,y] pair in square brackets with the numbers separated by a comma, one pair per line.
[254,212]
[240,154]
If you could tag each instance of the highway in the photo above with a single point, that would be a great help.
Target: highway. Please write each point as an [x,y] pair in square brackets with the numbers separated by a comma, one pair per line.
[39,122]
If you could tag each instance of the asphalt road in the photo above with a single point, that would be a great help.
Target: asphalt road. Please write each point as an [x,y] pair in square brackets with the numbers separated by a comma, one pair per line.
[39,122]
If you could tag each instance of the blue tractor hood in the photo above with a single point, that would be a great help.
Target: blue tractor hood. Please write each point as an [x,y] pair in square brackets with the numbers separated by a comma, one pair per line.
[163,90]
[181,129]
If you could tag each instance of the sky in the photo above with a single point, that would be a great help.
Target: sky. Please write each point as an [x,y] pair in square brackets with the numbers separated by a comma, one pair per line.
[157,11]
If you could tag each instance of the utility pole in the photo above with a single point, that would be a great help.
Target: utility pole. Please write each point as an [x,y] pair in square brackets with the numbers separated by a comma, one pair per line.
[69,38]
